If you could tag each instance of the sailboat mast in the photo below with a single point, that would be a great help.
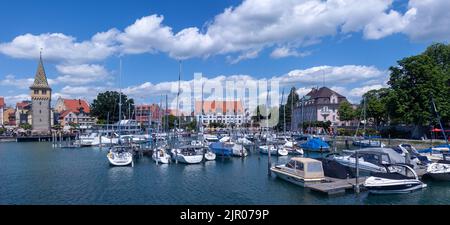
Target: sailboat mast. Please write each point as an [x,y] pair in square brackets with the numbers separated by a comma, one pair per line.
[284,112]
[120,97]
[292,109]
[365,116]
[267,109]
[178,95]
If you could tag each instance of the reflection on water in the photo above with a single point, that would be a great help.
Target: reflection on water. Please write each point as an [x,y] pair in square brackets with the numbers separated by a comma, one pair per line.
[35,173]
[120,173]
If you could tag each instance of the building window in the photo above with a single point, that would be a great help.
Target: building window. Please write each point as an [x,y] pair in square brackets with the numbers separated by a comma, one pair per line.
[44,92]
[40,111]
[36,92]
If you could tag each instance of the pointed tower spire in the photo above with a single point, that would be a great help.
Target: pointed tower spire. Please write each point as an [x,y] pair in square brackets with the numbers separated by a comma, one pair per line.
[40,79]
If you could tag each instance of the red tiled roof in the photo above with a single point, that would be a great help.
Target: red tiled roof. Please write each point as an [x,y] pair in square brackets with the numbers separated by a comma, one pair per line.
[21,105]
[75,105]
[2,102]
[64,113]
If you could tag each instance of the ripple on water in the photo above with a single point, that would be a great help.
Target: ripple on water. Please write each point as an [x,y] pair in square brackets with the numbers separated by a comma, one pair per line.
[34,173]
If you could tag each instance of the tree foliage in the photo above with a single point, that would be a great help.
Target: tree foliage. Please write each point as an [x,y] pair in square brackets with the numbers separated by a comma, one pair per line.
[414,81]
[346,111]
[376,109]
[108,102]
[292,100]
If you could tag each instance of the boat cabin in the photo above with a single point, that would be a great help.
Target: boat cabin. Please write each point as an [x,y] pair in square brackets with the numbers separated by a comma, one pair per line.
[306,167]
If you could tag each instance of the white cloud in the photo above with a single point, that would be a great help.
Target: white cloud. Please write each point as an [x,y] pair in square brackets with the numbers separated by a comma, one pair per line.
[333,74]
[13,99]
[21,83]
[358,92]
[428,20]
[283,52]
[246,30]
[61,47]
[251,54]
[11,80]
[81,74]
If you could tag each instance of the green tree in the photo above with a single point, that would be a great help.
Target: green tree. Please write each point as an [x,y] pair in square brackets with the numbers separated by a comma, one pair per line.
[192,126]
[376,105]
[292,100]
[108,102]
[346,111]
[25,126]
[171,119]
[413,82]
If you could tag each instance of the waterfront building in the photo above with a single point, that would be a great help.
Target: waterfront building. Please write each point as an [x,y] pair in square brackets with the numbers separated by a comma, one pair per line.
[9,117]
[146,113]
[2,108]
[79,118]
[23,113]
[223,112]
[41,96]
[74,112]
[75,105]
[320,104]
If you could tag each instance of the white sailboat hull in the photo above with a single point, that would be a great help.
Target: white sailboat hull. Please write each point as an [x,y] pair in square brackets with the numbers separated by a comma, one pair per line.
[120,160]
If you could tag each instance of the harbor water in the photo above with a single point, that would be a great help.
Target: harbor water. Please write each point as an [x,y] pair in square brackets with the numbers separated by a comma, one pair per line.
[36,173]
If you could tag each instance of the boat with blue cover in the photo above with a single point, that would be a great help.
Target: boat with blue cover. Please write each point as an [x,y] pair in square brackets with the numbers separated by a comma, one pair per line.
[222,148]
[315,144]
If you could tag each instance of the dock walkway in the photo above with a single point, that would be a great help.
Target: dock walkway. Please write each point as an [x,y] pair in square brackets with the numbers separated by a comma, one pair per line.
[334,186]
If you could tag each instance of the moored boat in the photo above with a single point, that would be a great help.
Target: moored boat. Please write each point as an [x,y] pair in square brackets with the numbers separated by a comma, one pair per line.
[394,182]
[188,154]
[440,170]
[160,156]
[120,156]
[300,171]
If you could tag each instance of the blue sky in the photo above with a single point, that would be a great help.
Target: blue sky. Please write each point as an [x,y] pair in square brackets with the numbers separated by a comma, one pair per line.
[251,40]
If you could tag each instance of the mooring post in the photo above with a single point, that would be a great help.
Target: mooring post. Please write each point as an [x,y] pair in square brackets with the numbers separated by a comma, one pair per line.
[269,163]
[100,140]
[60,139]
[346,144]
[357,173]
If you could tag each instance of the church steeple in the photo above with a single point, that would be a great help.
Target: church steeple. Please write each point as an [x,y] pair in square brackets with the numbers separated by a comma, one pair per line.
[40,79]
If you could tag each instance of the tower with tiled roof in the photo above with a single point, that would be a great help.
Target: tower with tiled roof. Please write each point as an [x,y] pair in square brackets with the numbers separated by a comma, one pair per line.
[41,96]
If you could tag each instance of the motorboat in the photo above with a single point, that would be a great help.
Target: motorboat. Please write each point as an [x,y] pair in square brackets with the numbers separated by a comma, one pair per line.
[222,148]
[370,160]
[196,143]
[94,139]
[440,170]
[188,154]
[274,150]
[120,156]
[414,155]
[300,171]
[210,156]
[315,144]
[238,150]
[160,156]
[244,141]
[394,182]
[368,143]
[291,147]
[209,139]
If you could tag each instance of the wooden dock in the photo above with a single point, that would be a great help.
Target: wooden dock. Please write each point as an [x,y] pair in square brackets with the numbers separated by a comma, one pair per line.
[333,186]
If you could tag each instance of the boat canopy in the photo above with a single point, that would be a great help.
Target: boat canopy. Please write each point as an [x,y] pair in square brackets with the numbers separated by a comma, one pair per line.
[394,156]
[312,168]
[315,143]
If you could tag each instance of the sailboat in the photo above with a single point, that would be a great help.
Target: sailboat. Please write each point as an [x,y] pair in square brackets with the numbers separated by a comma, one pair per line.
[159,153]
[120,155]
[366,143]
